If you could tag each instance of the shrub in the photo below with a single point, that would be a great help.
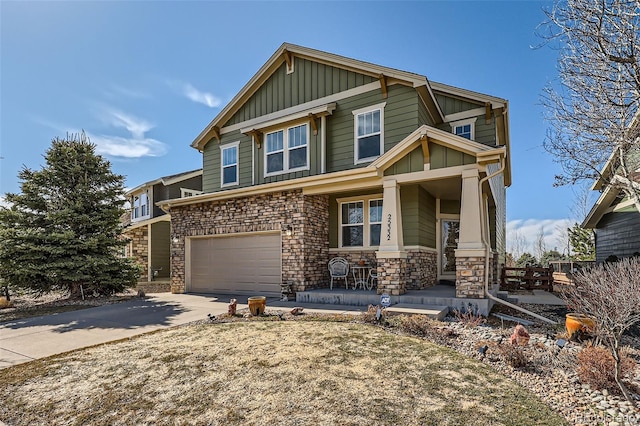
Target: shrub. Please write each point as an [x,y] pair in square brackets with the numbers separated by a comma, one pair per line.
[513,355]
[418,325]
[596,367]
[469,318]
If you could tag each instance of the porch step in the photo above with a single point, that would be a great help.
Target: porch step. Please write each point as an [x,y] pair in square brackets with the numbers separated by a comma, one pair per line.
[504,295]
[432,311]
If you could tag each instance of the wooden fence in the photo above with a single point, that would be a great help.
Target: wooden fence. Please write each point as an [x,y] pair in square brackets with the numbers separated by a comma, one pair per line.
[529,278]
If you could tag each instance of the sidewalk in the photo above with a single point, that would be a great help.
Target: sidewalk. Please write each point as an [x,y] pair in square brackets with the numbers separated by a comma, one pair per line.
[32,338]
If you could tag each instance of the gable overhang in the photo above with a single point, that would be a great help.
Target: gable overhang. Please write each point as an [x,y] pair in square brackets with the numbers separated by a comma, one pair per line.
[166,180]
[493,106]
[424,134]
[603,204]
[600,208]
[287,54]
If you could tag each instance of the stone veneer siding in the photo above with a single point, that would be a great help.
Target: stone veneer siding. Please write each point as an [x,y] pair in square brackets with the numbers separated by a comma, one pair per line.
[470,277]
[392,276]
[154,286]
[420,268]
[140,249]
[305,252]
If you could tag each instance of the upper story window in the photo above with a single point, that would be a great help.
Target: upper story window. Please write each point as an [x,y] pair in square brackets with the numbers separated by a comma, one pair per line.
[464,128]
[361,222]
[287,150]
[186,192]
[229,164]
[369,133]
[140,206]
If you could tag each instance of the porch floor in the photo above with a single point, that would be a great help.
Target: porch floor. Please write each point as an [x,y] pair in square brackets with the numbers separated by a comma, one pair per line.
[439,297]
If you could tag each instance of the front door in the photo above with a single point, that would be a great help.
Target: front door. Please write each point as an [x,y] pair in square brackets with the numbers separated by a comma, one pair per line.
[450,233]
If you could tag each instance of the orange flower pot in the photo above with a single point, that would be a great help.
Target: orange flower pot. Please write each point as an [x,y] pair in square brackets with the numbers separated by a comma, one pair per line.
[257,305]
[575,322]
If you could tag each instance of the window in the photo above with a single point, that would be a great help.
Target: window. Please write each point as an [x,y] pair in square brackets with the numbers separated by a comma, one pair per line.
[352,224]
[360,226]
[229,164]
[140,206]
[369,133]
[375,222]
[186,192]
[464,128]
[287,150]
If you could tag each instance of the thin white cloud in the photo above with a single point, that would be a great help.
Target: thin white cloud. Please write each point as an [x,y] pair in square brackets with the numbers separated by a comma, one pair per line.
[190,92]
[529,230]
[134,146]
[117,146]
[137,126]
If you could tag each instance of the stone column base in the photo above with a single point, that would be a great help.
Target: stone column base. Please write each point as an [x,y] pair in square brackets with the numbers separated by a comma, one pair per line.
[392,274]
[470,277]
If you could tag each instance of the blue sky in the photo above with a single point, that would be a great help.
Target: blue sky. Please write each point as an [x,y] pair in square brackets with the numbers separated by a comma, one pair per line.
[143,78]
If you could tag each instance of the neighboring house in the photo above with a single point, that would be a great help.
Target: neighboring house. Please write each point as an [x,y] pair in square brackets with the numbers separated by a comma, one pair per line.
[319,156]
[148,227]
[614,217]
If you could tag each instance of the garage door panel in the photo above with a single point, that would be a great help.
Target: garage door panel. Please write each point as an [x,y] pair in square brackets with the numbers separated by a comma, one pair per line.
[248,263]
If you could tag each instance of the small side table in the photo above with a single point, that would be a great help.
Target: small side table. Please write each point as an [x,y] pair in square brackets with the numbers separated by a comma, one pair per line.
[361,277]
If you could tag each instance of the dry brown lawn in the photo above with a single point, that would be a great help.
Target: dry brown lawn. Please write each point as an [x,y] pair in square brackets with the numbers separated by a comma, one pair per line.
[267,372]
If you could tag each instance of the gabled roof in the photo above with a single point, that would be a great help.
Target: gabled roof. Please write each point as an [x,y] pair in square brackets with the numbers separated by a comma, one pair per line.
[286,52]
[167,180]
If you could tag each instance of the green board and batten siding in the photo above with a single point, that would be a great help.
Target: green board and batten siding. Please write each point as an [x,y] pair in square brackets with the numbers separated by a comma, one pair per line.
[418,214]
[309,81]
[400,119]
[484,133]
[211,161]
[160,245]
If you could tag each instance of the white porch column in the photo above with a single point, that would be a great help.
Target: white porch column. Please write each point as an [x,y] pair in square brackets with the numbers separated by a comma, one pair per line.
[470,237]
[391,241]
[470,255]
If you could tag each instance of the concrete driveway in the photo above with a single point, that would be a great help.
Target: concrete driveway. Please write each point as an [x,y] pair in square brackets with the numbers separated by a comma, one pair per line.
[39,337]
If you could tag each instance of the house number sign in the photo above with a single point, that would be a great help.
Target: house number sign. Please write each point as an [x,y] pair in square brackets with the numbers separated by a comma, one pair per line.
[389,227]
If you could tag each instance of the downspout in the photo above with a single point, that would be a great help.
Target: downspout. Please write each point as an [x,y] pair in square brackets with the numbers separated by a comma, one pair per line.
[487,246]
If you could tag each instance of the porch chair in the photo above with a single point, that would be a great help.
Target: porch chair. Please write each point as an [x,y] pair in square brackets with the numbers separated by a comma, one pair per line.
[373,276]
[338,268]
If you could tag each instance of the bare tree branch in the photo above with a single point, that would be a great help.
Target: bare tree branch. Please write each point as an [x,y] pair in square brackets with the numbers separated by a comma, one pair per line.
[592,109]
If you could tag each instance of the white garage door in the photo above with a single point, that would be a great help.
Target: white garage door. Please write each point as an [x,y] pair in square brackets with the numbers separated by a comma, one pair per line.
[243,264]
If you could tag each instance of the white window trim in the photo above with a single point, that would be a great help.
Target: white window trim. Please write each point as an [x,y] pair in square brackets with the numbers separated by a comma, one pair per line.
[149,194]
[356,113]
[471,121]
[186,192]
[366,225]
[235,145]
[286,149]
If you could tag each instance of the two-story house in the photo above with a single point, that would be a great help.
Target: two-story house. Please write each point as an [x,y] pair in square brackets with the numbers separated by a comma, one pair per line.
[148,227]
[319,156]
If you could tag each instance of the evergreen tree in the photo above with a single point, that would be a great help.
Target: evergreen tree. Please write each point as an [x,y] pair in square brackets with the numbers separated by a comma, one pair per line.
[582,243]
[551,255]
[527,259]
[63,230]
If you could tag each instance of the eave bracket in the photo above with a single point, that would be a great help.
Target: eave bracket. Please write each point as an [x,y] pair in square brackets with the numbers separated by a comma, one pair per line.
[383,85]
